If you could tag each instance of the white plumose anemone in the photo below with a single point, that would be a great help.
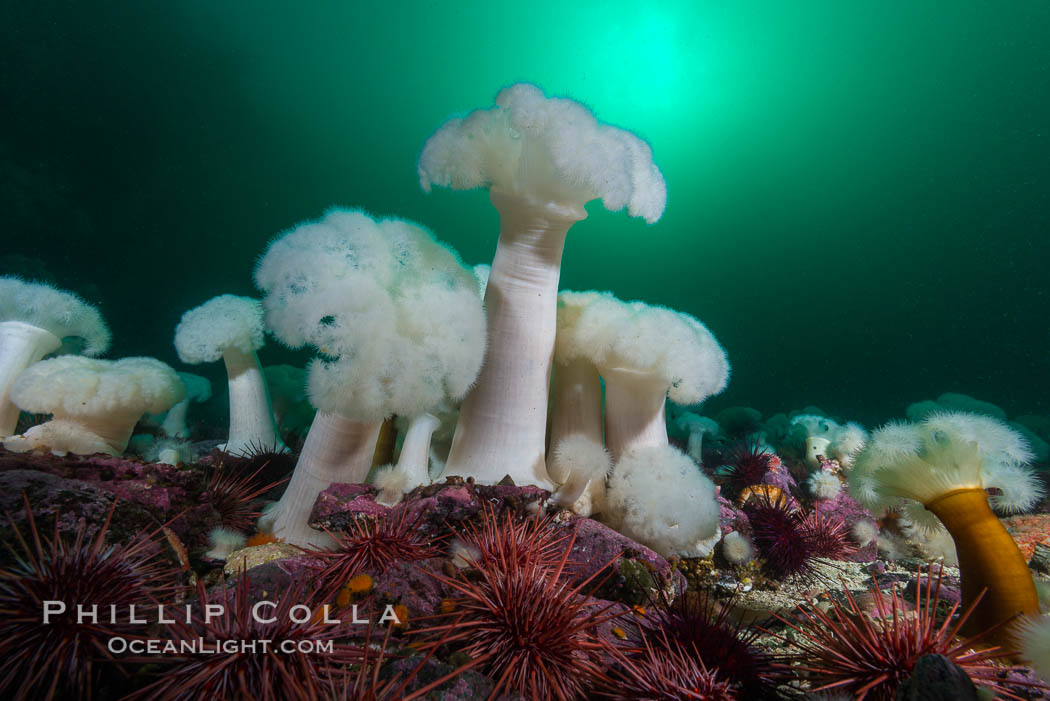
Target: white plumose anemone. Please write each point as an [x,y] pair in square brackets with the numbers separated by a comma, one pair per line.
[94,403]
[657,496]
[542,160]
[230,328]
[34,318]
[646,355]
[400,328]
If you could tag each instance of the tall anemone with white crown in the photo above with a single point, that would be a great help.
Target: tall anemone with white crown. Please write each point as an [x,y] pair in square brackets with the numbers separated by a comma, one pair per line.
[542,159]
[399,328]
[230,328]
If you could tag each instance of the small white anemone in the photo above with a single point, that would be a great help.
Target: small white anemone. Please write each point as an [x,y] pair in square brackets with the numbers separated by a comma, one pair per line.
[224,542]
[1034,634]
[824,485]
[737,548]
[864,531]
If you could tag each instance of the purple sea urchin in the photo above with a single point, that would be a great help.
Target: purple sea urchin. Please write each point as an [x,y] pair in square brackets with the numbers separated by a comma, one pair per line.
[64,658]
[789,538]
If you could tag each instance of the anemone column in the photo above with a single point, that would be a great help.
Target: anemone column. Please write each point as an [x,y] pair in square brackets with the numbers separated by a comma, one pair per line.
[502,422]
[337,449]
[414,459]
[989,561]
[634,411]
[251,418]
[21,345]
[577,459]
[576,408]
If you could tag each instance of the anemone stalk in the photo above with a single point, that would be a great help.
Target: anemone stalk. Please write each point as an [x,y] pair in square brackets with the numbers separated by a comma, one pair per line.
[502,422]
[337,449]
[634,411]
[576,408]
[21,345]
[989,561]
[251,418]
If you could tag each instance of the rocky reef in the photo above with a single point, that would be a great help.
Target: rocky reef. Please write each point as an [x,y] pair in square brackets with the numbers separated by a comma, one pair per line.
[426,595]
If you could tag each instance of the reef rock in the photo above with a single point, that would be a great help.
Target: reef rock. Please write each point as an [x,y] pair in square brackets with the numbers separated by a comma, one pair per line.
[730,517]
[937,678]
[1029,530]
[436,506]
[467,686]
[48,495]
[335,503]
[949,591]
[637,572]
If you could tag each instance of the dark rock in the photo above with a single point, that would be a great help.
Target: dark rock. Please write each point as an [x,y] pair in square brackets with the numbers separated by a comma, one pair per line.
[1023,683]
[731,518]
[779,476]
[949,590]
[636,572]
[152,494]
[339,502]
[412,585]
[937,678]
[437,506]
[466,686]
[48,494]
[1041,558]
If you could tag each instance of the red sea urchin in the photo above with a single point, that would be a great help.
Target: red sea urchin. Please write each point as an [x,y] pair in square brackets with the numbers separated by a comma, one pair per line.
[870,655]
[664,668]
[703,627]
[264,655]
[231,489]
[62,657]
[373,544]
[499,537]
[789,538]
[526,626]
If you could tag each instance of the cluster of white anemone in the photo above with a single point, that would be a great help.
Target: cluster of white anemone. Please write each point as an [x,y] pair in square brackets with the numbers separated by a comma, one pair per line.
[400,329]
[94,404]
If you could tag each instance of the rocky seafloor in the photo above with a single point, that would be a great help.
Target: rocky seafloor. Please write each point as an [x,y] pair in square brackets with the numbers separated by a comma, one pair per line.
[426,571]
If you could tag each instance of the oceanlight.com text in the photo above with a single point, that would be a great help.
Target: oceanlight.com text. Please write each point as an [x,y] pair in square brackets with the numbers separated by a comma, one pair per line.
[120,646]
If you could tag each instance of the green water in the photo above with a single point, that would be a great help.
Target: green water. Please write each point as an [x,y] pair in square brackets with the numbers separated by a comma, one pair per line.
[858,202]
